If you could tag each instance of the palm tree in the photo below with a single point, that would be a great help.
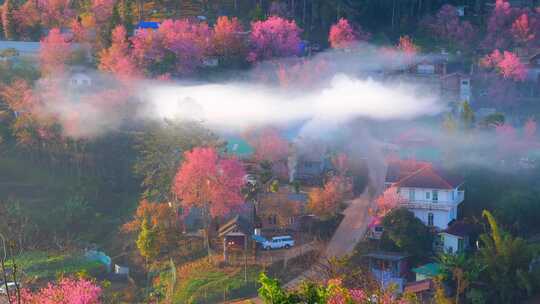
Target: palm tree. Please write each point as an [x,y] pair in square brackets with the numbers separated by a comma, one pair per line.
[506,259]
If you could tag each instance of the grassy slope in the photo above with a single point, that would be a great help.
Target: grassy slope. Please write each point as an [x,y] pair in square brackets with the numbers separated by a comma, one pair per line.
[40,265]
[203,282]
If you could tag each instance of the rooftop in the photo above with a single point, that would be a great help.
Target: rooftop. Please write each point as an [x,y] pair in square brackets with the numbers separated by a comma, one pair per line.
[386,255]
[236,224]
[239,147]
[419,286]
[428,176]
[430,269]
[460,228]
[397,170]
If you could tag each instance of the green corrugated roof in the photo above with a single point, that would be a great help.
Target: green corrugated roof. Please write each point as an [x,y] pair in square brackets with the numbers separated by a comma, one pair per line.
[239,147]
[430,269]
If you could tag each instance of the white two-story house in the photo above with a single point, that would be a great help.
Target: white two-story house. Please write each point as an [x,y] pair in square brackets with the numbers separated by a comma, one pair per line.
[431,193]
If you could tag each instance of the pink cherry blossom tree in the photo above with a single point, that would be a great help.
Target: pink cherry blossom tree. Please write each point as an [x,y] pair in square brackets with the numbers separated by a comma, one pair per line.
[269,145]
[28,18]
[209,181]
[343,35]
[448,27]
[507,64]
[178,46]
[523,30]
[67,291]
[227,42]
[55,51]
[274,37]
[117,58]
[499,24]
[389,200]
[55,13]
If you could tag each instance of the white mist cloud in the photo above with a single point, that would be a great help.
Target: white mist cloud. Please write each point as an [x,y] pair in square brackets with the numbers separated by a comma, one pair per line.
[235,106]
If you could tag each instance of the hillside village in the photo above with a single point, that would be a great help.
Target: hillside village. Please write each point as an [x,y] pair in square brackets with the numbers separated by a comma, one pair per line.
[428,194]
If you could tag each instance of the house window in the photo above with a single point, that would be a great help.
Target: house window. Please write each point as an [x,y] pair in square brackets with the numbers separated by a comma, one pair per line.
[428,195]
[435,195]
[453,195]
[460,245]
[430,219]
[426,69]
[411,195]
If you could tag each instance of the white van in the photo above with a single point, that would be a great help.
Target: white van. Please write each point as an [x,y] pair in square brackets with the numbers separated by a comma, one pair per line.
[10,285]
[285,241]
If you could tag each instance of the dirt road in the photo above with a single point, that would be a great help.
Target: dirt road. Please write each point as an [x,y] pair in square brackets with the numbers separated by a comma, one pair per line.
[351,230]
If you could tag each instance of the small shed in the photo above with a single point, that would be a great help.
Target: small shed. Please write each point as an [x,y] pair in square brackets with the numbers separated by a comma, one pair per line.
[423,290]
[456,238]
[389,268]
[236,234]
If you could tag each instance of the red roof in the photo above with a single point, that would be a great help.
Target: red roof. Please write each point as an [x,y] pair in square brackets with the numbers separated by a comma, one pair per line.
[398,170]
[419,286]
[430,177]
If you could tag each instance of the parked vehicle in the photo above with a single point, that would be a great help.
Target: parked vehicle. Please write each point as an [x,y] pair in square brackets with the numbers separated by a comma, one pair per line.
[278,242]
[10,285]
[250,179]
[259,240]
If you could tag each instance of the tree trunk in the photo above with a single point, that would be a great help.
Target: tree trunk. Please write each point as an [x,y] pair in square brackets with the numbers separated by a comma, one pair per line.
[207,219]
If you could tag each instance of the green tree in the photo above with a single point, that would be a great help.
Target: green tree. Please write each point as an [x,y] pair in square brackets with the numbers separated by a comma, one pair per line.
[449,124]
[160,151]
[467,116]
[492,120]
[407,233]
[462,271]
[506,261]
[147,241]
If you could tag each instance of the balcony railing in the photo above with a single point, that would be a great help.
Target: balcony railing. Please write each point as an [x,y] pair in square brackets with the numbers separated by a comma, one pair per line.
[429,205]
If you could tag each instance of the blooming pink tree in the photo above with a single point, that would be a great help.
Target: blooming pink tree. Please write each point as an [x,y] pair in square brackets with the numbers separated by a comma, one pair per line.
[55,13]
[507,64]
[102,10]
[499,25]
[210,181]
[448,27]
[28,18]
[67,291]
[269,145]
[274,37]
[523,30]
[178,46]
[117,59]
[227,40]
[407,48]
[54,52]
[344,35]
[389,200]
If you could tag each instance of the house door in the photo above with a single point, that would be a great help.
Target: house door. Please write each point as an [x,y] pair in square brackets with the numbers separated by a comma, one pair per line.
[430,219]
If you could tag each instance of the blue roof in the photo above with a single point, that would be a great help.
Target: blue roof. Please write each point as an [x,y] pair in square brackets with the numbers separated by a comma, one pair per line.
[25,48]
[148,25]
[239,147]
